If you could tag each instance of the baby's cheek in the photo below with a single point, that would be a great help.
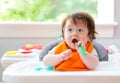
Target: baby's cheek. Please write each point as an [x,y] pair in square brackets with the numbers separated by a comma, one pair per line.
[85,37]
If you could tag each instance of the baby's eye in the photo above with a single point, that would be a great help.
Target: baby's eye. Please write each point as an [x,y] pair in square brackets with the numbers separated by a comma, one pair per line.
[70,29]
[80,30]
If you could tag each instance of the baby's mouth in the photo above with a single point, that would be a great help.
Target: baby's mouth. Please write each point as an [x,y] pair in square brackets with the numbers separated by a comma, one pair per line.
[74,41]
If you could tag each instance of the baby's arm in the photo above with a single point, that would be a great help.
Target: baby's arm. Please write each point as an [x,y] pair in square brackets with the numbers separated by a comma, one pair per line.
[90,60]
[51,59]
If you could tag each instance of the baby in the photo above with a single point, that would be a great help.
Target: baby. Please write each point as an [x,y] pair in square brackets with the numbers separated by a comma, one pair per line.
[75,52]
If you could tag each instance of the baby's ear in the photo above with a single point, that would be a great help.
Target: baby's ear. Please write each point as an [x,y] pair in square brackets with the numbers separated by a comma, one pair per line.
[90,36]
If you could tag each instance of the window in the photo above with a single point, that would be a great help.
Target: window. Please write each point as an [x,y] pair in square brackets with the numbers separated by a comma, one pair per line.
[105,21]
[104,24]
[43,10]
[106,10]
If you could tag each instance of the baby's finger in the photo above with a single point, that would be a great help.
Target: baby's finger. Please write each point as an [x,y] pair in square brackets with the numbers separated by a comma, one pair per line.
[70,55]
[65,57]
[66,54]
[67,51]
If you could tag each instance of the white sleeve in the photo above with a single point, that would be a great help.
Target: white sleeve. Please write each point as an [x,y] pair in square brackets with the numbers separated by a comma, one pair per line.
[94,52]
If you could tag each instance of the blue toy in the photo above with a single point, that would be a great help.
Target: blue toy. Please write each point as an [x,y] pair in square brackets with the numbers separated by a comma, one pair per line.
[45,68]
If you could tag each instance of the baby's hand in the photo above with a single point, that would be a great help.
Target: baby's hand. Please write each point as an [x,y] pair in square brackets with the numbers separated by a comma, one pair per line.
[65,55]
[82,43]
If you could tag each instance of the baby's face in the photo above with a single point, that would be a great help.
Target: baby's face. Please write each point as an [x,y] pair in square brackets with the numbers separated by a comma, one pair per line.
[72,31]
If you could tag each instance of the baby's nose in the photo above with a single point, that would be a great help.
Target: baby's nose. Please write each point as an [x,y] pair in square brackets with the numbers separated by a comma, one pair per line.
[75,33]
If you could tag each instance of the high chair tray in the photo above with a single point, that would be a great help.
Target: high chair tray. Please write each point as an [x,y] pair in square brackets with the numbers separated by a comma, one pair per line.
[24,72]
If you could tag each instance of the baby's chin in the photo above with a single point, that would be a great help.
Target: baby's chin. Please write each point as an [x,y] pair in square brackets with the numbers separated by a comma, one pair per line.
[72,47]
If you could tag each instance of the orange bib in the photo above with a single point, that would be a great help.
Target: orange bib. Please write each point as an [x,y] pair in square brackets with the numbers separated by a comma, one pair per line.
[74,63]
